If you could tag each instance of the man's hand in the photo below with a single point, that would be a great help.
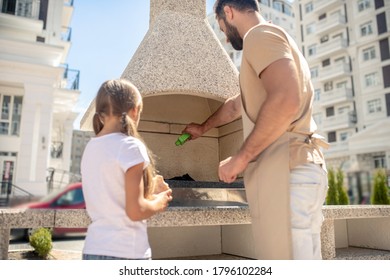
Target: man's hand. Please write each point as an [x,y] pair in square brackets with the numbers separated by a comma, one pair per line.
[196,130]
[230,168]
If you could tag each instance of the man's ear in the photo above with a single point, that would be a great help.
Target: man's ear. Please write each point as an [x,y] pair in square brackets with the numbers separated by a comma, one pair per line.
[228,12]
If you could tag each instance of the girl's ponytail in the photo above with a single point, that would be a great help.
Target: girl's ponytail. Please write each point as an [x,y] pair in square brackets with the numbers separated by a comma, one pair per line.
[97,123]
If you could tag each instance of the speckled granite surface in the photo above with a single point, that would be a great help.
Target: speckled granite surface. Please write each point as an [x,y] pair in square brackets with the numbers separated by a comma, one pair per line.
[195,216]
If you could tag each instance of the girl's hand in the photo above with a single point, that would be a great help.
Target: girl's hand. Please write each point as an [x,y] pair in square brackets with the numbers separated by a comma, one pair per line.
[162,199]
[159,185]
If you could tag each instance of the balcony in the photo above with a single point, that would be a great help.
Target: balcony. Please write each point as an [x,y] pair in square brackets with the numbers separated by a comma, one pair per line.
[67,12]
[337,149]
[66,33]
[26,8]
[330,24]
[334,71]
[342,121]
[322,6]
[336,96]
[331,47]
[71,79]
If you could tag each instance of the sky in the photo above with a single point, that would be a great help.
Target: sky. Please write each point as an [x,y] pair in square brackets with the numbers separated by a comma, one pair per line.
[105,35]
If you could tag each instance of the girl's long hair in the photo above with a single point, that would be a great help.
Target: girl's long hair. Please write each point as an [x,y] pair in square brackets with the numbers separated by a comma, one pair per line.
[117,98]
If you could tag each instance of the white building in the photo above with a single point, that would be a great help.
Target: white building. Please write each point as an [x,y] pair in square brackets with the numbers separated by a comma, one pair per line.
[37,91]
[347,46]
[279,12]
[79,141]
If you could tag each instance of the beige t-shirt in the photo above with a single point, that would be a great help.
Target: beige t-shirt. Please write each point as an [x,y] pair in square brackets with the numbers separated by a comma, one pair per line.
[264,44]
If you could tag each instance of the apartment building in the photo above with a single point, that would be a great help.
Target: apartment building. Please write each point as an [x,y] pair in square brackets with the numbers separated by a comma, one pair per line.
[79,141]
[346,44]
[279,12]
[38,92]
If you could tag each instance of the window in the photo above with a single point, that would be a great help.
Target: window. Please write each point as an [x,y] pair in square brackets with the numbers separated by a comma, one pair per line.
[317,94]
[23,8]
[379,4]
[381,23]
[314,72]
[343,110]
[342,84]
[326,62]
[380,162]
[387,97]
[265,2]
[330,111]
[369,54]
[344,136]
[371,79]
[386,75]
[310,28]
[324,39]
[309,7]
[332,137]
[385,50]
[363,5]
[374,106]
[366,29]
[11,113]
[278,6]
[328,86]
[339,60]
[321,17]
[312,50]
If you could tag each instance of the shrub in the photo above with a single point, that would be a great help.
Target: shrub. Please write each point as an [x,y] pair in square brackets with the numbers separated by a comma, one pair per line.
[342,194]
[380,189]
[332,198]
[337,194]
[41,241]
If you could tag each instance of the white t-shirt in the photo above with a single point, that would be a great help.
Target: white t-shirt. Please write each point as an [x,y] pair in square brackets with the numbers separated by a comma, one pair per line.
[103,166]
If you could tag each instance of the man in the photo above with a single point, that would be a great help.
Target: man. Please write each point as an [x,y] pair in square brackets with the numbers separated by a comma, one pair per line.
[284,169]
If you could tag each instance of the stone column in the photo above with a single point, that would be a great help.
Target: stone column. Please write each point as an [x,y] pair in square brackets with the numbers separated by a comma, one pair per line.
[4,243]
[328,243]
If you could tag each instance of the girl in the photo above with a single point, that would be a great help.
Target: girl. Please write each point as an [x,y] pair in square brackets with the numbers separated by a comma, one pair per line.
[120,187]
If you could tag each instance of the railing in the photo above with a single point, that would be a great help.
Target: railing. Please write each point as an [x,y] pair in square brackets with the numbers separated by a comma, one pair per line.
[8,190]
[71,79]
[69,3]
[58,179]
[66,34]
[357,219]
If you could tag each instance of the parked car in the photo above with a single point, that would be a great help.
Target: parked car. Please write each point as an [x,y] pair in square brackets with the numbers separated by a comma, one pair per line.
[70,197]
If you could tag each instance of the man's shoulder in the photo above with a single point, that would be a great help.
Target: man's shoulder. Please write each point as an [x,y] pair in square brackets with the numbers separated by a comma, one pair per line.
[266,28]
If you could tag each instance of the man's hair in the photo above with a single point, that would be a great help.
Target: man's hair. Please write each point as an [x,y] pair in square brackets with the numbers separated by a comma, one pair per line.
[240,5]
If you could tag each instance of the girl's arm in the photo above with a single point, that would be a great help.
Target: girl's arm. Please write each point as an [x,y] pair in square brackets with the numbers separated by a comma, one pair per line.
[137,206]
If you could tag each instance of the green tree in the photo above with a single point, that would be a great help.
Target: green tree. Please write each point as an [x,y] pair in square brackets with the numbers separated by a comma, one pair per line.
[380,193]
[343,198]
[337,194]
[332,198]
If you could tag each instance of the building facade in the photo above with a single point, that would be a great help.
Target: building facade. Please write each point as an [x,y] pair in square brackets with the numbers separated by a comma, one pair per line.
[346,44]
[38,92]
[79,141]
[280,12]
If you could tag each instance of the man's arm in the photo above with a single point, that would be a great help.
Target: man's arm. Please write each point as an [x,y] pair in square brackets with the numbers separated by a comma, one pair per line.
[280,80]
[227,112]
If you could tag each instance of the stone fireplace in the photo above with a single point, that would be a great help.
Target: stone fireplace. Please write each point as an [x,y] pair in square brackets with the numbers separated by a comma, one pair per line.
[184,75]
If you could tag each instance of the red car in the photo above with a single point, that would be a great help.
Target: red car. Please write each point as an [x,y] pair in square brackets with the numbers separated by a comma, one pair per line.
[70,197]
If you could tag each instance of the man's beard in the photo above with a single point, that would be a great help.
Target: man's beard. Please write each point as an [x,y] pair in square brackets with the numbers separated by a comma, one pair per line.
[233,36]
